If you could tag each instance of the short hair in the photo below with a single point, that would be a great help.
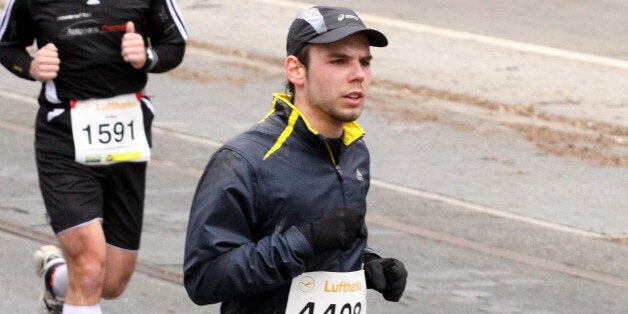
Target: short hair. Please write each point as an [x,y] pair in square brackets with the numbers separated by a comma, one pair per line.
[304,57]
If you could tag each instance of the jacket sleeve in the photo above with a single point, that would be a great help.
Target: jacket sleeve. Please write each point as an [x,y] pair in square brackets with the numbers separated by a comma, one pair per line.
[16,33]
[223,261]
[167,34]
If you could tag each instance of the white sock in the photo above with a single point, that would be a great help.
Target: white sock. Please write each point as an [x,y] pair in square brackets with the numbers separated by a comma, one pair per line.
[60,281]
[81,309]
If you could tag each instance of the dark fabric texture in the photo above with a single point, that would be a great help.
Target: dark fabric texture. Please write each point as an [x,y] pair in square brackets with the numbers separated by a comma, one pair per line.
[386,275]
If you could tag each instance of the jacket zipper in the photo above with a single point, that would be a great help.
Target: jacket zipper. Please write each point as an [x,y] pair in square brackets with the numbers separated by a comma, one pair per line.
[338,170]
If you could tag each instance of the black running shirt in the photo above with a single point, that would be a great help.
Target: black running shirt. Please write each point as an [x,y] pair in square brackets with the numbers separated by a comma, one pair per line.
[88,36]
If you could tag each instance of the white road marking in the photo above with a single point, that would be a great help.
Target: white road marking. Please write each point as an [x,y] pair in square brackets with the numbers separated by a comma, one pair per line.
[482,209]
[494,41]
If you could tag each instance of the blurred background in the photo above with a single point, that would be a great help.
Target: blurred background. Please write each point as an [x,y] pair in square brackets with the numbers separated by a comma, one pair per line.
[498,134]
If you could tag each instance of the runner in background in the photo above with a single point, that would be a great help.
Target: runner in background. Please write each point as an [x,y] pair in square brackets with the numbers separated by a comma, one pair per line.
[92,134]
[277,223]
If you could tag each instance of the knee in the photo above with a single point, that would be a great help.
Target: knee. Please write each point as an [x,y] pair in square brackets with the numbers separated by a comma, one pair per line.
[114,287]
[90,273]
[112,292]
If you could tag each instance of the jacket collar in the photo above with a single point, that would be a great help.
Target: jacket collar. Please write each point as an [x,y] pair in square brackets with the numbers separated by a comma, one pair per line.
[352,130]
[283,103]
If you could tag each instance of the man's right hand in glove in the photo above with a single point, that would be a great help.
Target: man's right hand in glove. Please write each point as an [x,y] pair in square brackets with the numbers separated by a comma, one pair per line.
[335,230]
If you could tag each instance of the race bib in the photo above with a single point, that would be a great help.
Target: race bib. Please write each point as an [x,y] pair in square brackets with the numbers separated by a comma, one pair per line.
[107,131]
[328,293]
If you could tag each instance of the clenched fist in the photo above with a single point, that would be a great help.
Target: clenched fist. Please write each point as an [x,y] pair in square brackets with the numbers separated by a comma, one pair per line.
[133,49]
[45,65]
[335,230]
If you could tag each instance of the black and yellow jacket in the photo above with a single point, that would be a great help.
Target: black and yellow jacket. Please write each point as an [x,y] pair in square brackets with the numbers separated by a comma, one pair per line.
[242,246]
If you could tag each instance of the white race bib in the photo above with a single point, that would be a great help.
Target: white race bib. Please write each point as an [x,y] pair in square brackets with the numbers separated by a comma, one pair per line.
[328,293]
[109,130]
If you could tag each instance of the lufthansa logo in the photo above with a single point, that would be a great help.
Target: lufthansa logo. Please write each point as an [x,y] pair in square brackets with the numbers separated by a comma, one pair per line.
[306,284]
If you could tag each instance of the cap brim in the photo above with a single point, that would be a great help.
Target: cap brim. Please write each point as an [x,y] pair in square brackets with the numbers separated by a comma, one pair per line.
[376,38]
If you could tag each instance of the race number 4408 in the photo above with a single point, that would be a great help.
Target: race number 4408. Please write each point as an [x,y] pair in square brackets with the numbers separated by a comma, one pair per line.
[310,308]
[328,293]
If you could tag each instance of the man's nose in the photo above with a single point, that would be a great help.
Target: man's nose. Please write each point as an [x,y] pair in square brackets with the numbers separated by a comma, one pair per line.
[359,72]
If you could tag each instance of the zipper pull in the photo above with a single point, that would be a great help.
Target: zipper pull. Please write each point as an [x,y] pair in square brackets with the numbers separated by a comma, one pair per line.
[339,172]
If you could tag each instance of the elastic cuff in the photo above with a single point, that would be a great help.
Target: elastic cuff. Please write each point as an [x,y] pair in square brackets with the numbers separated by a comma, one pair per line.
[370,251]
[307,233]
[300,242]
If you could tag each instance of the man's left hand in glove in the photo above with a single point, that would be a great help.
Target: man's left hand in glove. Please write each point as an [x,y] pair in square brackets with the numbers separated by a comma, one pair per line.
[386,275]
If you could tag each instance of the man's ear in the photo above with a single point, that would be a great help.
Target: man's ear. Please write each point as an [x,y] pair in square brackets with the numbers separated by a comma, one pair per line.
[295,70]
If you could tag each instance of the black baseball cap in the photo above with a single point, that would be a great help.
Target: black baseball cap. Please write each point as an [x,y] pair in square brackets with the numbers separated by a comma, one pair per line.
[321,25]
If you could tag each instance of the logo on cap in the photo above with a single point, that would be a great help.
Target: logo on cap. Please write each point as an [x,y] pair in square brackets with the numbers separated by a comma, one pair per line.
[348,16]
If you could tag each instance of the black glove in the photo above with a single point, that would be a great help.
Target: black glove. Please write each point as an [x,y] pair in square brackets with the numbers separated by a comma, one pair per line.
[336,229]
[386,275]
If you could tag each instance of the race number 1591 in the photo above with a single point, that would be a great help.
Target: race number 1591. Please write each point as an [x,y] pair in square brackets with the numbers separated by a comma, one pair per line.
[106,132]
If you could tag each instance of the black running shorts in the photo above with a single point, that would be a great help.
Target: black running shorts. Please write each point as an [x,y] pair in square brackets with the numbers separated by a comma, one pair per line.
[75,194]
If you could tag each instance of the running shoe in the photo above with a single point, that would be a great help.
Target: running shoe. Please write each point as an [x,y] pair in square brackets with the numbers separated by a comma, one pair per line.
[46,257]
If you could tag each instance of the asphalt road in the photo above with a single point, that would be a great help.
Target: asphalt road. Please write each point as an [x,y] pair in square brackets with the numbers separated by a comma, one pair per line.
[499,163]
